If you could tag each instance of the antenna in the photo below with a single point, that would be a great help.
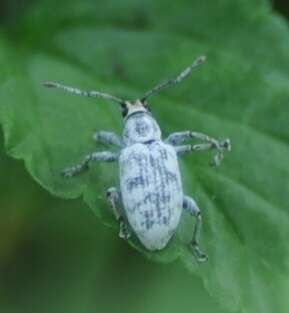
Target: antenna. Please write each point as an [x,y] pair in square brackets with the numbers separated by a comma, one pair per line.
[200,60]
[84,93]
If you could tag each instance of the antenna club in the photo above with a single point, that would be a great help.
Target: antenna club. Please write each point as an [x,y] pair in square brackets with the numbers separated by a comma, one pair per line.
[201,59]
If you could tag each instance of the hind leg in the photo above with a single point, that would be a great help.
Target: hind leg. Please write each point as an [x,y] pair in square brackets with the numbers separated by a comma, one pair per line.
[190,206]
[113,197]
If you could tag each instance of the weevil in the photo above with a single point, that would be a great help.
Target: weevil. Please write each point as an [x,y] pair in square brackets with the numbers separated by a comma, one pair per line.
[150,200]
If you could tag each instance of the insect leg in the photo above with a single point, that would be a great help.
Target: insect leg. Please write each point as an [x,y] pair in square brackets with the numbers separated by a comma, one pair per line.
[113,197]
[108,138]
[185,149]
[225,144]
[105,156]
[178,137]
[219,146]
[190,205]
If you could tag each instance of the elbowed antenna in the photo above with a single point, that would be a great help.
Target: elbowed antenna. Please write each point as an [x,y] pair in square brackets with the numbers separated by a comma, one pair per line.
[84,93]
[200,60]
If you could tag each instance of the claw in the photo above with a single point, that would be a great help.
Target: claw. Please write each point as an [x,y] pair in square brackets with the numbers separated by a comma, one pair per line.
[200,256]
[123,231]
[67,173]
[221,146]
[226,144]
[217,159]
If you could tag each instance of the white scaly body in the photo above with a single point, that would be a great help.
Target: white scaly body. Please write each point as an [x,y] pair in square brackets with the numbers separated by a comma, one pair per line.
[150,182]
[151,191]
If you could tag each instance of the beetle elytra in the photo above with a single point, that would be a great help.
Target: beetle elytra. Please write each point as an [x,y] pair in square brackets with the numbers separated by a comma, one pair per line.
[150,200]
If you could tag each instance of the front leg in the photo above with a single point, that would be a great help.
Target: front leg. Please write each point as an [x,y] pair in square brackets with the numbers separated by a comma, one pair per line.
[185,149]
[211,143]
[178,138]
[104,156]
[108,138]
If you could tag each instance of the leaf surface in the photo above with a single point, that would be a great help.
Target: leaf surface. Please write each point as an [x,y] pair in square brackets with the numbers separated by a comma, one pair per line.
[125,48]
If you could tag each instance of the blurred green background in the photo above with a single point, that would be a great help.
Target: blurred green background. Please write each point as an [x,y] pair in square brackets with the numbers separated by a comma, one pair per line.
[55,256]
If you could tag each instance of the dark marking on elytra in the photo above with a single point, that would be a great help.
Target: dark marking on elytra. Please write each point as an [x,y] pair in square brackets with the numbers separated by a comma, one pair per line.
[149,221]
[170,176]
[165,220]
[164,154]
[151,170]
[134,182]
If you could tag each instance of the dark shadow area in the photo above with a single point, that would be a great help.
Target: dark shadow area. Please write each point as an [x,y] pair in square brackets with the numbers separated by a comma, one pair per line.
[282,6]
[10,10]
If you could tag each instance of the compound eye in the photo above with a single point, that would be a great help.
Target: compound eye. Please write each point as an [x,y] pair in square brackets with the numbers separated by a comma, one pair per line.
[124,111]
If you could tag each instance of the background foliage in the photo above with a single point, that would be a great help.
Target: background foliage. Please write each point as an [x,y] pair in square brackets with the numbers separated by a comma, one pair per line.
[55,255]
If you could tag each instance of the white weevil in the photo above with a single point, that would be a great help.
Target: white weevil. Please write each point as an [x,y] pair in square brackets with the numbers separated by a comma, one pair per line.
[150,182]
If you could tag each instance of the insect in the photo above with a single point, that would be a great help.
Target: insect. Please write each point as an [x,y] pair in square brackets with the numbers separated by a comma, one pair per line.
[150,200]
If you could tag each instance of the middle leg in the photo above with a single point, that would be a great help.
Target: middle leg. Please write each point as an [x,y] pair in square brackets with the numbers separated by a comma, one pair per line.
[113,197]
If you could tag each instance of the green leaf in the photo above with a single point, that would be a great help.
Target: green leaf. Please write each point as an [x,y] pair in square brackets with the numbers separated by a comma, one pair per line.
[126,47]
[52,257]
